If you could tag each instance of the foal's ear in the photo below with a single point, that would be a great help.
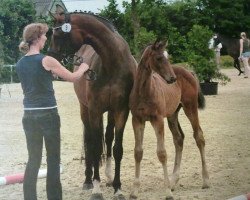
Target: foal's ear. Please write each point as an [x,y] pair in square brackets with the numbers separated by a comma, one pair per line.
[160,44]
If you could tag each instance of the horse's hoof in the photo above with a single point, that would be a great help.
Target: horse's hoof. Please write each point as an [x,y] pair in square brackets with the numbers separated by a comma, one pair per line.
[96,196]
[119,197]
[241,72]
[87,186]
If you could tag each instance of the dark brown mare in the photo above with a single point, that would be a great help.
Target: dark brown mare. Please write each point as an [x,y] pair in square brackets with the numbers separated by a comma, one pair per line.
[232,46]
[115,67]
[160,91]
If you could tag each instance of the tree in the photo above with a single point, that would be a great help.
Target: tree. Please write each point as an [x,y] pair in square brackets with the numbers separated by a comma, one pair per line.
[225,17]
[111,12]
[14,15]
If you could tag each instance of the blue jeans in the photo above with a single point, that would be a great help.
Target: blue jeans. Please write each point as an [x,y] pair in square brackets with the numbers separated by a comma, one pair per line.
[39,125]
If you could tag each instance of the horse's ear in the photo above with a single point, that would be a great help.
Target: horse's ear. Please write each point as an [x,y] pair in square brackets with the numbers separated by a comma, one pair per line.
[59,10]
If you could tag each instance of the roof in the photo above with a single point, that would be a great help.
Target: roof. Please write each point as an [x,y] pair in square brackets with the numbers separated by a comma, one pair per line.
[44,6]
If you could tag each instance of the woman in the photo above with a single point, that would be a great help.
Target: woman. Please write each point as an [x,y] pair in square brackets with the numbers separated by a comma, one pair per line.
[41,120]
[245,53]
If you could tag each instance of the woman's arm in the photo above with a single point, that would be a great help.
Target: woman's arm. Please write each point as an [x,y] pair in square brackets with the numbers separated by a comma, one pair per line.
[51,64]
[241,46]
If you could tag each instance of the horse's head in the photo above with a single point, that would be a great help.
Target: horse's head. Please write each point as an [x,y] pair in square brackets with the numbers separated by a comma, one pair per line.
[155,58]
[64,38]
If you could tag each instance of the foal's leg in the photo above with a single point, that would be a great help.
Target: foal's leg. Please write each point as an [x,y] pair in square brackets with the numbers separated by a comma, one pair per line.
[138,127]
[178,137]
[109,137]
[158,125]
[191,112]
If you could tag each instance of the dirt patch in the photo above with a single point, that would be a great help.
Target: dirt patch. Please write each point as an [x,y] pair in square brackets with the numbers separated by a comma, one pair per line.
[225,123]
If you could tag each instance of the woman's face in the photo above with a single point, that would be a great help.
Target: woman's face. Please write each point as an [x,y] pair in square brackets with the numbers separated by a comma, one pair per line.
[42,41]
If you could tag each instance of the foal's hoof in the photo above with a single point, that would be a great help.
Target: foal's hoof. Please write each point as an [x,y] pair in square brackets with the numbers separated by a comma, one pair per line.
[205,186]
[96,196]
[119,197]
[87,186]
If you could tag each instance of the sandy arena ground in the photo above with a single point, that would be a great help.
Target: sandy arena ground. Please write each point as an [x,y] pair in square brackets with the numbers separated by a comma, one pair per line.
[225,122]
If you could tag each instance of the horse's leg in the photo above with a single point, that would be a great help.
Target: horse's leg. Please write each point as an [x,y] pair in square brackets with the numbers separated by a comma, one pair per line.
[96,124]
[178,138]
[191,112]
[120,122]
[138,127]
[87,148]
[109,137]
[158,125]
[237,66]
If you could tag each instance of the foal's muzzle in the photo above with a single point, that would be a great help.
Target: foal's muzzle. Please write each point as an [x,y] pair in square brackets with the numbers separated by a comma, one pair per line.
[171,80]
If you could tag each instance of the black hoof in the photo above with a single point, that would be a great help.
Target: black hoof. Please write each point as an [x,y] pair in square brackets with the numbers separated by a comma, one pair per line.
[87,186]
[241,72]
[119,197]
[96,196]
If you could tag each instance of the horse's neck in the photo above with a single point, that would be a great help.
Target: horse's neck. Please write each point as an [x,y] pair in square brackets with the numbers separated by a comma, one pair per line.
[104,40]
[143,81]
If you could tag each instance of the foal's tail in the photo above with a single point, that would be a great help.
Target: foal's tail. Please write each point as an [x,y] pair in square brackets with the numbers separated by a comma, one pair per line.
[201,99]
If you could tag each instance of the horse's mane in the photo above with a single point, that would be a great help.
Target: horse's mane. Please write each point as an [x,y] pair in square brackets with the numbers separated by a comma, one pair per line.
[102,19]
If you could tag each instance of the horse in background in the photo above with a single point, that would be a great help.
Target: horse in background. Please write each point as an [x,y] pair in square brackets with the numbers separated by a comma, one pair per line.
[159,92]
[232,46]
[108,54]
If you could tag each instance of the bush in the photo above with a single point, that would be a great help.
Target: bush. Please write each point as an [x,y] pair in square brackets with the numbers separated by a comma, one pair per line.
[202,59]
[226,62]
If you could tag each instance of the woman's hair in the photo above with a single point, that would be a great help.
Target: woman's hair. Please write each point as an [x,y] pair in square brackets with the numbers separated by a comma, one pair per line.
[243,35]
[31,33]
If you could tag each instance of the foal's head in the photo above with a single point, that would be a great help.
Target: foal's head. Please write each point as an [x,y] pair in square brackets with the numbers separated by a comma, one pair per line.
[155,58]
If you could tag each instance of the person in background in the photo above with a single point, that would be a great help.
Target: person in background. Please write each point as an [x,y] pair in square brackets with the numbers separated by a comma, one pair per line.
[41,120]
[245,53]
[216,49]
[217,54]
